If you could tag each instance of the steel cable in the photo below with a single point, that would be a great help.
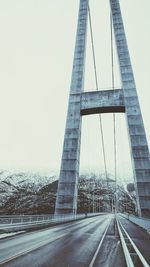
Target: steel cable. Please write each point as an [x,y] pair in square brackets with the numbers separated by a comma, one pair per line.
[114,117]
[96,81]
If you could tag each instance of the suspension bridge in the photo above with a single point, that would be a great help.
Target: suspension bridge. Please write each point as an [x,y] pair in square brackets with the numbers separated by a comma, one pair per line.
[93,239]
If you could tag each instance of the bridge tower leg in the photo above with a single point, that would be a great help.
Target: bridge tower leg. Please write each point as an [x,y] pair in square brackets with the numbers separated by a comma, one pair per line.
[137,137]
[66,201]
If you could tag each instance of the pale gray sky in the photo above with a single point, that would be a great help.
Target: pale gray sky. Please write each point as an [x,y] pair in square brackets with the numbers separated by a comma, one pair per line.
[36,52]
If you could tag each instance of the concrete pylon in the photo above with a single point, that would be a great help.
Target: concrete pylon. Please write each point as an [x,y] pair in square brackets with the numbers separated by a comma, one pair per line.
[137,137]
[81,103]
[66,201]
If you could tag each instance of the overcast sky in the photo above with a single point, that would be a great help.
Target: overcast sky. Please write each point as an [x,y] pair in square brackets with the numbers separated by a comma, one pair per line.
[36,52]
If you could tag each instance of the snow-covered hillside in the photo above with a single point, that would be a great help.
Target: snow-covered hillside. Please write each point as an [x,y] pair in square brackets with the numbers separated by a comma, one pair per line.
[15,183]
[22,178]
[34,193]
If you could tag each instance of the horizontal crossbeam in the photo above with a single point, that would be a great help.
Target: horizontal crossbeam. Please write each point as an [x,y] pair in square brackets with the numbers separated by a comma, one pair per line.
[106,101]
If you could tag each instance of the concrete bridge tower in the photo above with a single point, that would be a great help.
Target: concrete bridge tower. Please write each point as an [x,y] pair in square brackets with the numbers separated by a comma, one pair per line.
[82,103]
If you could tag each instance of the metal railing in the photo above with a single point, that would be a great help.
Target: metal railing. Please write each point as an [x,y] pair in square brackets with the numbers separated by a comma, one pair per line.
[140,221]
[133,256]
[41,219]
[20,219]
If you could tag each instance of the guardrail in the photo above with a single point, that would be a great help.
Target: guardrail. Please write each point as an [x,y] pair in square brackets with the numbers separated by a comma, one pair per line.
[133,256]
[140,221]
[35,219]
[11,219]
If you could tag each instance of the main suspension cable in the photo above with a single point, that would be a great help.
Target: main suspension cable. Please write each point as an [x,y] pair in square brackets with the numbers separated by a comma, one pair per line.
[96,81]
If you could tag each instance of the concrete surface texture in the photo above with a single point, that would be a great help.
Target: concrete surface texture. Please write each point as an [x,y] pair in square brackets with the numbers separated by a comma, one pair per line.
[120,100]
[137,137]
[102,102]
[66,201]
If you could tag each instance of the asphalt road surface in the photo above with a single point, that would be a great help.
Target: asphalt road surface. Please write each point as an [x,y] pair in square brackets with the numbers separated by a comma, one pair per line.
[70,245]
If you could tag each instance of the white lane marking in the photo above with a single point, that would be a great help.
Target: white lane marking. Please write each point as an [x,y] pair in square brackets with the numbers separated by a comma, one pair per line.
[25,251]
[98,248]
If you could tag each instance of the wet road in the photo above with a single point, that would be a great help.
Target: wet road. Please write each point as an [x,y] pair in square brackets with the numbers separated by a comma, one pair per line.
[70,245]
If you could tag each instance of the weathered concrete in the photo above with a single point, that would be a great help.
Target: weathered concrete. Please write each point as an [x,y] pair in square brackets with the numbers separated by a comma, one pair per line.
[137,136]
[66,201]
[119,100]
[102,102]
